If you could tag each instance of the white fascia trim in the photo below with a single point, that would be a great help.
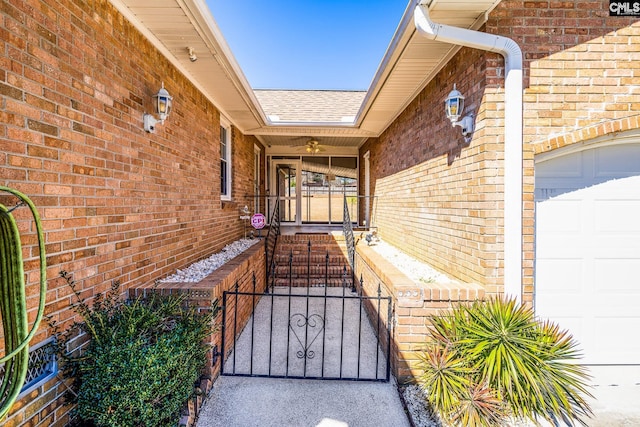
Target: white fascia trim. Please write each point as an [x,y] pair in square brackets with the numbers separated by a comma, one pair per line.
[206,26]
[382,72]
[276,123]
[213,36]
[513,169]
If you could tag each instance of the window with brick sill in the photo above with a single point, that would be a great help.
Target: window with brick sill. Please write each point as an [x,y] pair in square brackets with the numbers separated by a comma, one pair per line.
[225,160]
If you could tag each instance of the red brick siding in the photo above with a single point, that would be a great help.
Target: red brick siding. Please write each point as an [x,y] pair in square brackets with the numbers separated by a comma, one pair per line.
[242,155]
[116,202]
[437,198]
[582,66]
[441,201]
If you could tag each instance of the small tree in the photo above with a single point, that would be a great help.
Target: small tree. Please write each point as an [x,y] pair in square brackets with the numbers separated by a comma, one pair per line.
[140,361]
[492,360]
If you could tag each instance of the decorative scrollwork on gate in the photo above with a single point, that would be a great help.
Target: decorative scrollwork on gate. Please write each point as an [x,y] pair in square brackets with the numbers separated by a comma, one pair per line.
[313,326]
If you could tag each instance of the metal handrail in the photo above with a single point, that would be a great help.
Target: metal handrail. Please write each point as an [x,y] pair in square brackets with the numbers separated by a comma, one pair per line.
[347,228]
[270,243]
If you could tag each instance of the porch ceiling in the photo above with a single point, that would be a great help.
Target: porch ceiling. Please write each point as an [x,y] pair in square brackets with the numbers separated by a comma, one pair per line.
[410,62]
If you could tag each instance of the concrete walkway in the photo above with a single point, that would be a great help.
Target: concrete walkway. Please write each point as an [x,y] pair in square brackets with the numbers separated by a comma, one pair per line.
[309,332]
[263,402]
[277,346]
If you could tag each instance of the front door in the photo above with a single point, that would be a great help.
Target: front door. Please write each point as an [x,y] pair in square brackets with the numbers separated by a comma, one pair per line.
[285,178]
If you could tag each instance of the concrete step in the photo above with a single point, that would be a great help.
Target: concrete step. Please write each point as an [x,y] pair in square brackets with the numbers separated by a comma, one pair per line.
[313,271]
[314,259]
[303,282]
[308,257]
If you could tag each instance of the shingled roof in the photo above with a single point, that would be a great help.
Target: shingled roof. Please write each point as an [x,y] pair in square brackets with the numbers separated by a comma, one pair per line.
[310,106]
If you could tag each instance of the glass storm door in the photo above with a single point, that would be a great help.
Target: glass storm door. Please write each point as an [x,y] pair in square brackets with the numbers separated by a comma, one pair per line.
[286,177]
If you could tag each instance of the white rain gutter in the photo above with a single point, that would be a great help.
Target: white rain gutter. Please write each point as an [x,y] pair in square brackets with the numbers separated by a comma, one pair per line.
[513,169]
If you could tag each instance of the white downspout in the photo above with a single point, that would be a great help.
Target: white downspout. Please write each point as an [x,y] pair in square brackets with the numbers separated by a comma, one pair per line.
[513,169]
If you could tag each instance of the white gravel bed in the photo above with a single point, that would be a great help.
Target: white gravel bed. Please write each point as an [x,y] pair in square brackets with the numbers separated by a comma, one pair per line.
[417,407]
[201,269]
[416,270]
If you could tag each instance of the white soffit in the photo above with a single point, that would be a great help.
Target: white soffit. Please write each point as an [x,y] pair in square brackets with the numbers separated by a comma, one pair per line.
[409,64]
[412,61]
[173,26]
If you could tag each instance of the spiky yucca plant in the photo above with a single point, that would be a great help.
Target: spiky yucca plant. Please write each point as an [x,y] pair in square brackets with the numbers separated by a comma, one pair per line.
[492,360]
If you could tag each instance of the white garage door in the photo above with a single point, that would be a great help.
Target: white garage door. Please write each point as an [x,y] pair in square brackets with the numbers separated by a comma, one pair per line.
[588,249]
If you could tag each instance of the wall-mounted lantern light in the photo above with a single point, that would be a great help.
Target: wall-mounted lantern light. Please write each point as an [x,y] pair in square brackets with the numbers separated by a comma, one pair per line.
[162,104]
[454,106]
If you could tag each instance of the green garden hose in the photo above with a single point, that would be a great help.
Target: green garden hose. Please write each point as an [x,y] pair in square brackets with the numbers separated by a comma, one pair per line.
[13,304]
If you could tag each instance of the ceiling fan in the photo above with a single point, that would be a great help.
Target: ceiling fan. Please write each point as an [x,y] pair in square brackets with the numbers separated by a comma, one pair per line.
[312,146]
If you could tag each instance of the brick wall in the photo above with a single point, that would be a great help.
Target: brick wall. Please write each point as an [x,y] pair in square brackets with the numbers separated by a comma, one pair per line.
[581,70]
[243,157]
[438,198]
[116,202]
[75,79]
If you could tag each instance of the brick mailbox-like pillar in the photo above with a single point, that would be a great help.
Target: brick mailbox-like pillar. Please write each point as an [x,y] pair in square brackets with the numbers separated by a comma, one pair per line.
[414,304]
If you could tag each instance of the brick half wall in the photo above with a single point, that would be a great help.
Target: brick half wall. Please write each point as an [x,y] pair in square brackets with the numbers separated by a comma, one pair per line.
[248,272]
[414,303]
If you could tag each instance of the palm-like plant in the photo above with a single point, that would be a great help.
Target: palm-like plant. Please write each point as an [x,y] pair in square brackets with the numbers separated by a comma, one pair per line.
[491,360]
[479,407]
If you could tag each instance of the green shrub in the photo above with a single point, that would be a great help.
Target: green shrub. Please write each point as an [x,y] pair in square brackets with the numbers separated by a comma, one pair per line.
[491,361]
[140,360]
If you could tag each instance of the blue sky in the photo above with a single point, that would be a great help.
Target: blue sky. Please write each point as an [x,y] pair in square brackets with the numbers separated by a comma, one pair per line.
[287,44]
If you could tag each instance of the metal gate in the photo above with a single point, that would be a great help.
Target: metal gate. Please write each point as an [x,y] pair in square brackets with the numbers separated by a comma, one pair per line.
[307,332]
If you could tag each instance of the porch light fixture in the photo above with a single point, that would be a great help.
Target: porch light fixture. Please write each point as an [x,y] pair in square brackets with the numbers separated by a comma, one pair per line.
[312,147]
[454,106]
[162,102]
